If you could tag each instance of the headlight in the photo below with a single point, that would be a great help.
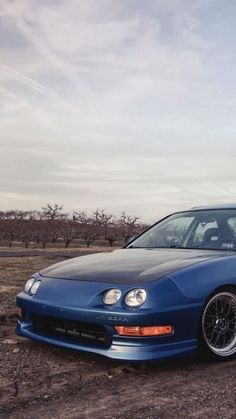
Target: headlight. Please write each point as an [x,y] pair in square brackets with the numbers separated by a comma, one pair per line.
[29,284]
[136,297]
[112,296]
[34,287]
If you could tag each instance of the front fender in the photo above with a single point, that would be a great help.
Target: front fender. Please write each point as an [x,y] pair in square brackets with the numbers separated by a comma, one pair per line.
[199,281]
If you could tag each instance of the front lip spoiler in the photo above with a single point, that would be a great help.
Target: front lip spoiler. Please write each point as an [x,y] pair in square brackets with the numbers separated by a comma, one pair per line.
[119,350]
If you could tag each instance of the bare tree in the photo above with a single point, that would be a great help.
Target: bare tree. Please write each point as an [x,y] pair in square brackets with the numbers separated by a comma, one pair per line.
[8,231]
[11,225]
[69,232]
[128,225]
[52,212]
[43,232]
[113,233]
[101,218]
[87,227]
[80,217]
[51,224]
[26,231]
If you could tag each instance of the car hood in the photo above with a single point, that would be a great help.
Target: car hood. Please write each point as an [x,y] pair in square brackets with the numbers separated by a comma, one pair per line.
[128,266]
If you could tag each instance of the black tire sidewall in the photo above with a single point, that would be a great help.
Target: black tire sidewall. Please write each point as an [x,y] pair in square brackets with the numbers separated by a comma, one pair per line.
[203,348]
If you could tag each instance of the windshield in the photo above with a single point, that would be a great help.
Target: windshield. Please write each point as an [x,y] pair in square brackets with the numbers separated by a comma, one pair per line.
[205,229]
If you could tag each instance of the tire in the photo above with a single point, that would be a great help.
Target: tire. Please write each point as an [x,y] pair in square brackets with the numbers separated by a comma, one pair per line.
[218,325]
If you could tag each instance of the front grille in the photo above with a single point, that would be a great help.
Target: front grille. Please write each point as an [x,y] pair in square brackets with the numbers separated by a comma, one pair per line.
[71,330]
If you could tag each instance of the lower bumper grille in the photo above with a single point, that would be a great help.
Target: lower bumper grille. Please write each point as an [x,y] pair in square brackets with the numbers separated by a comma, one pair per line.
[71,330]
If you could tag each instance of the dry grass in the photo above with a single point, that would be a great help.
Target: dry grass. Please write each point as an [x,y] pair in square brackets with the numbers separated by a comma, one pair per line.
[59,250]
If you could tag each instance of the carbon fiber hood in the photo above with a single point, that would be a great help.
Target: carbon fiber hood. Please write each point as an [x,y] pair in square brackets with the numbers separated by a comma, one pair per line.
[129,266]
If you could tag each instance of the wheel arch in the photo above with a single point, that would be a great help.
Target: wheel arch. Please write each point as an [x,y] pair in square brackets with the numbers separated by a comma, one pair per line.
[218,289]
[214,292]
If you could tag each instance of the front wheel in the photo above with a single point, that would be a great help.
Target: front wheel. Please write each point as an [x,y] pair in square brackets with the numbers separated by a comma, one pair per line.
[218,326]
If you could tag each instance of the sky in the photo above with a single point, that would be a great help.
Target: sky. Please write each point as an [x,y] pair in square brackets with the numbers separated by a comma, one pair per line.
[125,105]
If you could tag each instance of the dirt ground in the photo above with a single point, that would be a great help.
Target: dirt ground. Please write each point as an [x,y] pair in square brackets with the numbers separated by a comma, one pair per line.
[39,381]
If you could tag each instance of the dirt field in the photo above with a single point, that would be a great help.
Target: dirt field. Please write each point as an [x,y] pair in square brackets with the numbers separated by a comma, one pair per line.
[39,381]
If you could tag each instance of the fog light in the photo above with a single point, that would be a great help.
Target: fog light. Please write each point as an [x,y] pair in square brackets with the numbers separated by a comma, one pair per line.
[145,330]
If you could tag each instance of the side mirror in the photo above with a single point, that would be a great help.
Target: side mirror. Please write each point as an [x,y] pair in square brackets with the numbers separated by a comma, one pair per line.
[129,239]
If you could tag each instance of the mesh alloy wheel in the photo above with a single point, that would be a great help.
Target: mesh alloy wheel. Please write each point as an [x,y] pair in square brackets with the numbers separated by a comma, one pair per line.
[219,324]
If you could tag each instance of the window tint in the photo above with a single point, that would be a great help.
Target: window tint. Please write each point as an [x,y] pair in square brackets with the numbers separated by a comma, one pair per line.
[201,229]
[170,233]
[232,225]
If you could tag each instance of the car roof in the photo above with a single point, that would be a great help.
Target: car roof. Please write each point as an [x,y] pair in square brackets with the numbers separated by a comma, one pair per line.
[214,207]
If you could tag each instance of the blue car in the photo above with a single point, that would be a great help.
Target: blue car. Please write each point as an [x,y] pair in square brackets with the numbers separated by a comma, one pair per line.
[170,292]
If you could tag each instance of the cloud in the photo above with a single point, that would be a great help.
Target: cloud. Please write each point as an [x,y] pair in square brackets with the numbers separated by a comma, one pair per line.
[122,105]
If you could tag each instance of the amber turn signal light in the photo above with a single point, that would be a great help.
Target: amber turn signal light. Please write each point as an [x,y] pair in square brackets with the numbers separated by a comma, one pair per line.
[19,312]
[144,331]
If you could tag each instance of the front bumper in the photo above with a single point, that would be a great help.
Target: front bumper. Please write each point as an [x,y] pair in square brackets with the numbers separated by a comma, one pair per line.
[182,342]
